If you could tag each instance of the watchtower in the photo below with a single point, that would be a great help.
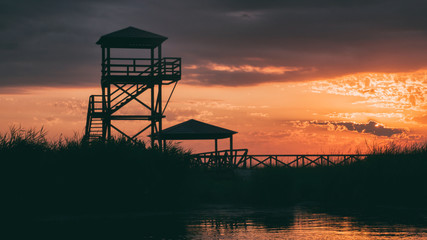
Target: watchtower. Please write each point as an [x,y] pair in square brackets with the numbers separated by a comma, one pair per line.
[128,79]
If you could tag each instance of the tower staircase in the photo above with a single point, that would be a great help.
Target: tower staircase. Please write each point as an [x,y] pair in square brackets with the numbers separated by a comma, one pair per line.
[123,97]
[93,131]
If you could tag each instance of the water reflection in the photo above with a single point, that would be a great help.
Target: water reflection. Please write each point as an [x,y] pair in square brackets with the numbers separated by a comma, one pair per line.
[229,222]
[298,223]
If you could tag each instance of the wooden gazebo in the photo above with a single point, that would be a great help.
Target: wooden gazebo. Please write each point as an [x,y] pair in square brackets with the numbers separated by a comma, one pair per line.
[196,130]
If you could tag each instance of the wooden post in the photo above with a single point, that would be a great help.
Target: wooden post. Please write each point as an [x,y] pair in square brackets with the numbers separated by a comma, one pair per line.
[152,61]
[153,120]
[159,95]
[216,152]
[159,56]
[109,110]
[232,161]
[108,62]
[103,62]
[153,104]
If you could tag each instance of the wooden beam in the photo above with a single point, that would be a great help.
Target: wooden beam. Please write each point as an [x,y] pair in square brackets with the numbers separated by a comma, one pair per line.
[231,150]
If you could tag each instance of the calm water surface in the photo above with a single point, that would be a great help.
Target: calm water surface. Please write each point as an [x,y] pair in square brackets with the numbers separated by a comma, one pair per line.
[227,222]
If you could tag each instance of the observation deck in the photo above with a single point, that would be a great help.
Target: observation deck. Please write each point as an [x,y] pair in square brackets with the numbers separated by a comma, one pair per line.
[141,70]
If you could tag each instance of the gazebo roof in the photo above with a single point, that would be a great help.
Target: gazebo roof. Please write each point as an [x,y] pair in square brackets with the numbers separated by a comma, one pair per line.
[131,37]
[192,130]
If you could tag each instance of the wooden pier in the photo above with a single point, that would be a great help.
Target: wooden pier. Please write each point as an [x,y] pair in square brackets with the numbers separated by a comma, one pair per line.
[239,158]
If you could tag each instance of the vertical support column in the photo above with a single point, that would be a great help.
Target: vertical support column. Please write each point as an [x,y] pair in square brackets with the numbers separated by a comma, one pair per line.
[108,61]
[153,117]
[103,63]
[152,61]
[153,104]
[158,112]
[104,111]
[159,96]
[104,100]
[232,159]
[106,94]
[108,112]
[216,153]
[107,116]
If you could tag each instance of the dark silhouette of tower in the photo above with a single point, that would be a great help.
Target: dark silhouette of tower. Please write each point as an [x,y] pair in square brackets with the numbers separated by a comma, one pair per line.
[126,80]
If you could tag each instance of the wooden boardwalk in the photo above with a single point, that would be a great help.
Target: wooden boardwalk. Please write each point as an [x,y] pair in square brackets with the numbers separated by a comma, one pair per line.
[239,158]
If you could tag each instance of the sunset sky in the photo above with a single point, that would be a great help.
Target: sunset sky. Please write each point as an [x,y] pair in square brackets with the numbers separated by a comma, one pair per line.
[306,76]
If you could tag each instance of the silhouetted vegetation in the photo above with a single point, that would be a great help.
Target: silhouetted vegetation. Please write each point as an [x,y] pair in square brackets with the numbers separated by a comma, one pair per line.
[69,176]
[391,175]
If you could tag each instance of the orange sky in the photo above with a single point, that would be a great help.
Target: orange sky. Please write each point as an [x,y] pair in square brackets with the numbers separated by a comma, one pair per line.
[289,76]
[325,116]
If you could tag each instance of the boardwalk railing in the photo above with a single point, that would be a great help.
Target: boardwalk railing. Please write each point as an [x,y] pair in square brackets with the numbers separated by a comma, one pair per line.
[225,158]
[240,159]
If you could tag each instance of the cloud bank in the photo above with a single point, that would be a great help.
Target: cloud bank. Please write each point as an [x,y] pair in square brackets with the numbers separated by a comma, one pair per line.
[371,127]
[52,43]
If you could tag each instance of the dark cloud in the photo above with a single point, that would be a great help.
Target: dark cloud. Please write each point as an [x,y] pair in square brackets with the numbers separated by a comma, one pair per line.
[371,127]
[255,4]
[52,43]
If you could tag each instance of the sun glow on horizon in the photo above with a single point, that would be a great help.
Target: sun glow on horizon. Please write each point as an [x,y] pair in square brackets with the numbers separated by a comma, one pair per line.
[326,116]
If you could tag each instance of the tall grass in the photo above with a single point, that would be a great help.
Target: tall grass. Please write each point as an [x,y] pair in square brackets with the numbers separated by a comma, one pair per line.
[73,176]
[70,176]
[392,174]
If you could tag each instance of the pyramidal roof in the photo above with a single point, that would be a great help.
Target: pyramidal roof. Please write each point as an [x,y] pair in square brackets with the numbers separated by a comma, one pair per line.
[193,129]
[131,37]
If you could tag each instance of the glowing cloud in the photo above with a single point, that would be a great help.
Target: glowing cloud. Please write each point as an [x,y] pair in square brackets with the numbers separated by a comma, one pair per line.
[251,69]
[371,127]
[406,91]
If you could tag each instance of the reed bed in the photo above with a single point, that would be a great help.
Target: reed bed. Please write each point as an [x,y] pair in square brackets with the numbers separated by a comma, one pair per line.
[70,176]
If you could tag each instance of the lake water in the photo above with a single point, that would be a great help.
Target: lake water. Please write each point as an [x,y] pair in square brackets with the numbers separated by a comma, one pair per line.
[228,222]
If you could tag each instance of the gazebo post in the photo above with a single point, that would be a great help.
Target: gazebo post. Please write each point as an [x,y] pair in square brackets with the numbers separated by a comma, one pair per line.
[231,149]
[216,152]
[216,146]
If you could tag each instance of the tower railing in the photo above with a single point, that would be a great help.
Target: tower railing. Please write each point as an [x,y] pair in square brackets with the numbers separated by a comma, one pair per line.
[171,66]
[95,104]
[142,67]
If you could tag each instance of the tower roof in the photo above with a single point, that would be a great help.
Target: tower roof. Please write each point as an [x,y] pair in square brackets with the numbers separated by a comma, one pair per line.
[193,129]
[131,37]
